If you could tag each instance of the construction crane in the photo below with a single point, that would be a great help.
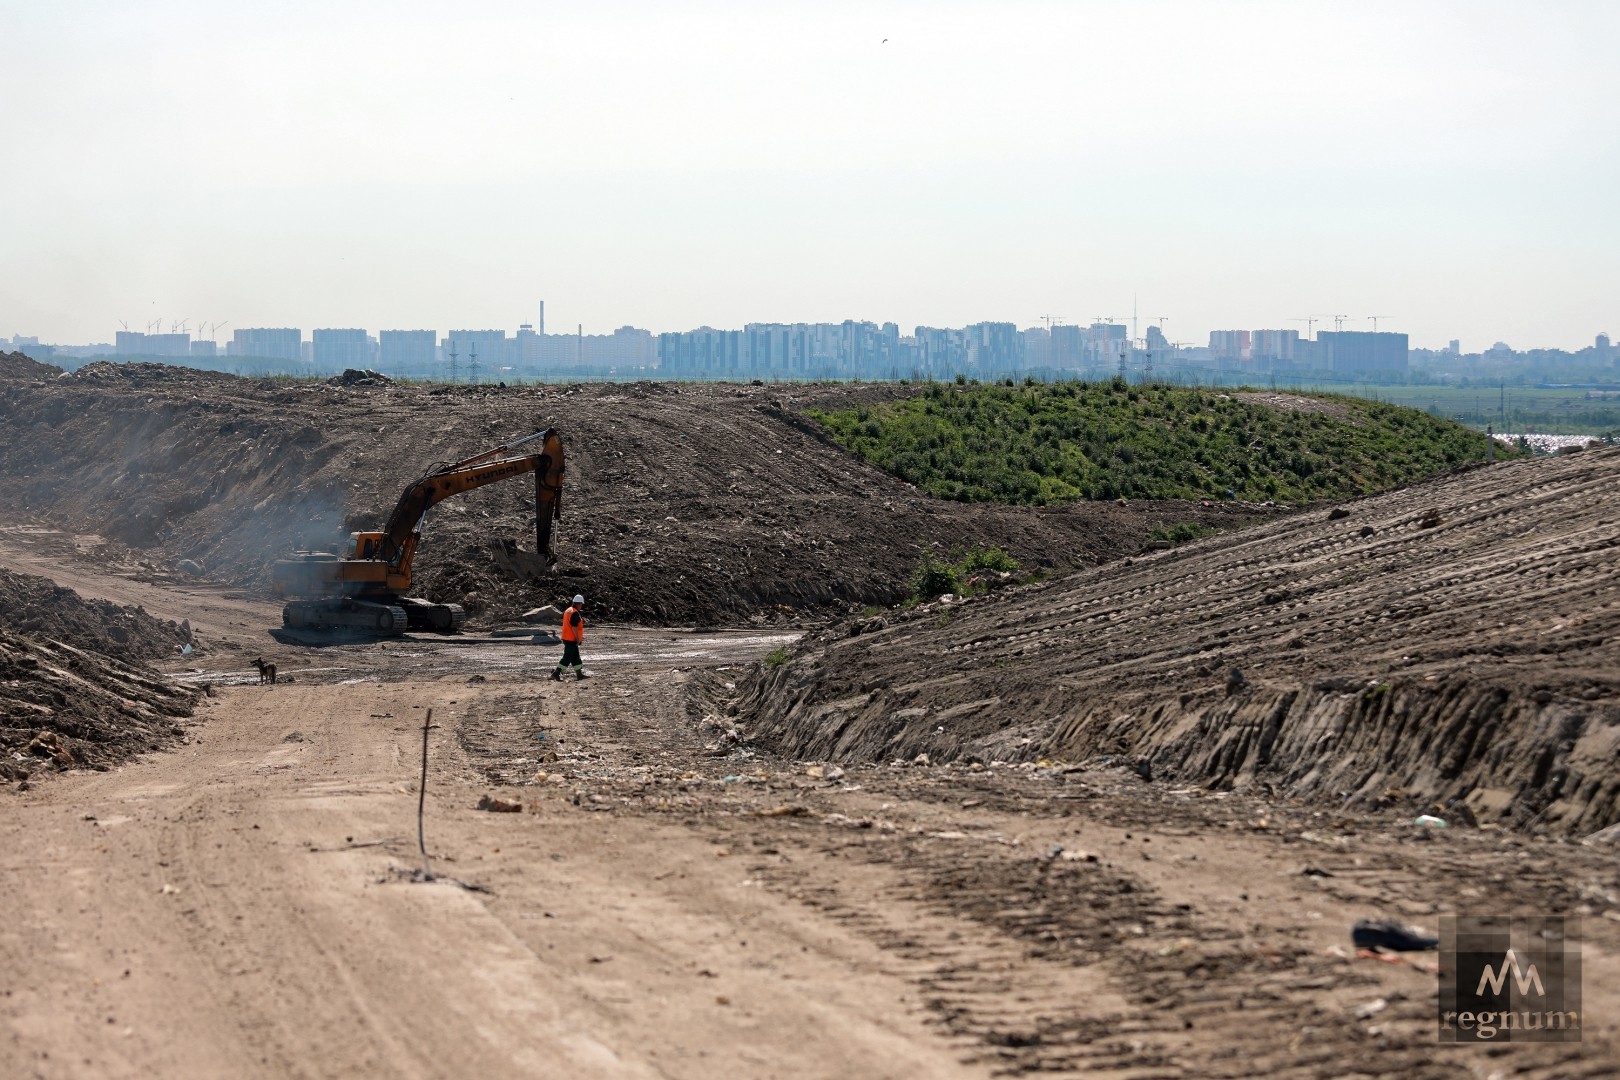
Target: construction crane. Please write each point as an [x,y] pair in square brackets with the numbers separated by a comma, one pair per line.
[1051,320]
[1338,321]
[1375,319]
[1310,324]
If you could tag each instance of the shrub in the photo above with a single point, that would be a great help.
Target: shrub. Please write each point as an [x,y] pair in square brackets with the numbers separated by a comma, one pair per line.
[776,657]
[934,577]
[1052,443]
[1181,532]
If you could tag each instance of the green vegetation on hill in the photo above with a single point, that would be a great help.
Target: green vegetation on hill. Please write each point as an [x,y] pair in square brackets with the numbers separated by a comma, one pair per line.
[1039,444]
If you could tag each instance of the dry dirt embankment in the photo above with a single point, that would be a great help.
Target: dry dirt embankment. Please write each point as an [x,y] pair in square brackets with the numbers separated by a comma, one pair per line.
[1456,640]
[40,608]
[73,688]
[16,365]
[684,504]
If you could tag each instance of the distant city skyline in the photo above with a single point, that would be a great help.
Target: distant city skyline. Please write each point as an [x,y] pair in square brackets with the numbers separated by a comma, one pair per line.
[673,166]
[1145,329]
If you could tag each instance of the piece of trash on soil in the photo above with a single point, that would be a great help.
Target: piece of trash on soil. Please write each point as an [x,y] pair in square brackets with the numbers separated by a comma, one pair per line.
[1429,821]
[1392,935]
[1369,1009]
[500,806]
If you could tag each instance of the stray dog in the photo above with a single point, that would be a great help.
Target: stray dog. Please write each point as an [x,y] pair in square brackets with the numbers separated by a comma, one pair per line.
[267,672]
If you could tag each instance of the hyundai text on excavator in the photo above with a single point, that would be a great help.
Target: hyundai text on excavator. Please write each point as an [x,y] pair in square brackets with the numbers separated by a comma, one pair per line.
[365,590]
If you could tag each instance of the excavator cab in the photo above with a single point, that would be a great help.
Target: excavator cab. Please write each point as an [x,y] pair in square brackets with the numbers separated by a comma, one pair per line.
[367,545]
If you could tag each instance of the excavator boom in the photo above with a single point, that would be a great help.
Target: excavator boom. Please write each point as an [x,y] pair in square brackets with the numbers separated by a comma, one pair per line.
[398,541]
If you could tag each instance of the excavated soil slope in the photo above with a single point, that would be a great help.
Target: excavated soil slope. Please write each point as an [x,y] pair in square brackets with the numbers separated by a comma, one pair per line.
[73,688]
[1456,640]
[16,365]
[684,504]
[40,608]
[68,707]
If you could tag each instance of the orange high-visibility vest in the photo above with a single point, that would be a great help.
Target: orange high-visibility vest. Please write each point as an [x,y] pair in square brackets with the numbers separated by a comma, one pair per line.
[573,627]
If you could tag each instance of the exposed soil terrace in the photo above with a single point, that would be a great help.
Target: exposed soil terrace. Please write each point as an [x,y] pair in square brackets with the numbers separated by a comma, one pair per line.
[1455,641]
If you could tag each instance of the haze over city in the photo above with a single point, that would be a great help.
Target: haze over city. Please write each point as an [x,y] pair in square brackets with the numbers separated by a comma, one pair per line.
[1445,164]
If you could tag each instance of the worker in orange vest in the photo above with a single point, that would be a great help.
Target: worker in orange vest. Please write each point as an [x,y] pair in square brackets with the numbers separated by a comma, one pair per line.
[573,632]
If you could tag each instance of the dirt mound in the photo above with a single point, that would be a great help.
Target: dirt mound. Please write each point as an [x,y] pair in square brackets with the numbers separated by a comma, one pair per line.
[360,377]
[1454,641]
[145,374]
[16,365]
[66,707]
[40,608]
[685,504]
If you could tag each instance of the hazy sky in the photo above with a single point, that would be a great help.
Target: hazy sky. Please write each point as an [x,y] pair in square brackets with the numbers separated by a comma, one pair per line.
[1455,165]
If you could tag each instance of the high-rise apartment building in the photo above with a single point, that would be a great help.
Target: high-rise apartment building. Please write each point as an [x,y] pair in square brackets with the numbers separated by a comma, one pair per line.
[1230,344]
[1362,352]
[1068,346]
[279,343]
[335,350]
[1274,345]
[994,347]
[399,351]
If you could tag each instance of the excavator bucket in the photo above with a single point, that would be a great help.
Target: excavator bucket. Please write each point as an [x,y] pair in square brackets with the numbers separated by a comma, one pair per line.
[519,564]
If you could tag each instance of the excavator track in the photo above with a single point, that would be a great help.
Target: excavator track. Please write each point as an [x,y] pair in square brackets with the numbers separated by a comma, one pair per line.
[346,613]
[424,615]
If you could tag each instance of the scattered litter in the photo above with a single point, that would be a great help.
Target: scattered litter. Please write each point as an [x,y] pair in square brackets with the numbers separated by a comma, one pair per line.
[1369,1009]
[500,806]
[1429,821]
[1392,935]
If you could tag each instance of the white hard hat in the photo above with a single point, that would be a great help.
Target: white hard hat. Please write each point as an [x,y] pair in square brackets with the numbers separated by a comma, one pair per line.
[578,599]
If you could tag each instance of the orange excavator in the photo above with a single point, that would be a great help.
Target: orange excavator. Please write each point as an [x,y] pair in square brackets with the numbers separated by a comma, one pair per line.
[365,590]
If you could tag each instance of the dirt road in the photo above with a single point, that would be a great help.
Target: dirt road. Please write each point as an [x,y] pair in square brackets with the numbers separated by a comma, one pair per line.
[672,905]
